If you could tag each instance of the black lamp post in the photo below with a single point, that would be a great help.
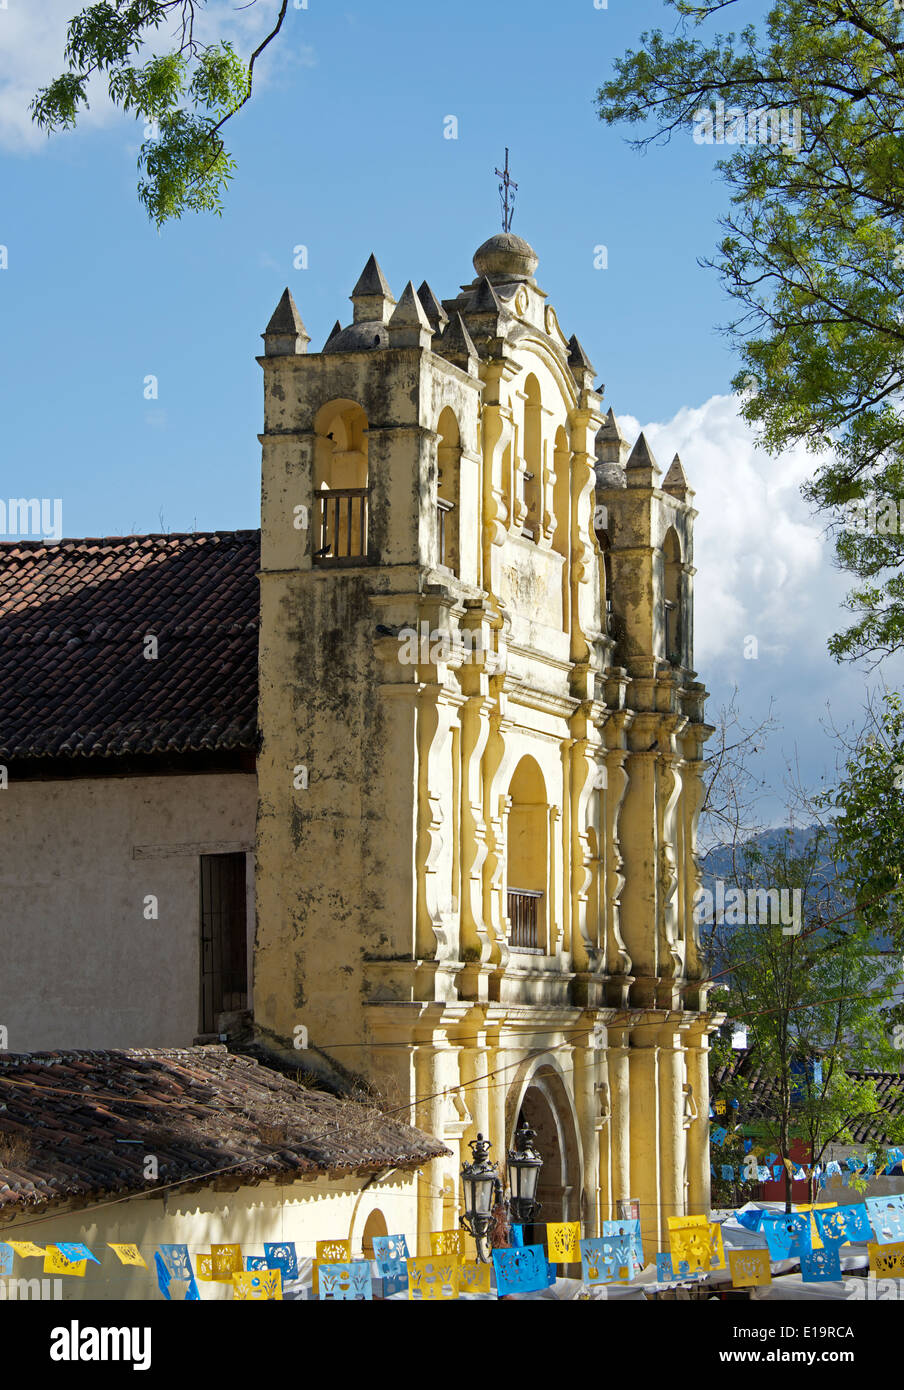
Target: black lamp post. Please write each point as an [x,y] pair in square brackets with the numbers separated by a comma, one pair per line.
[483,1187]
[483,1193]
[524,1165]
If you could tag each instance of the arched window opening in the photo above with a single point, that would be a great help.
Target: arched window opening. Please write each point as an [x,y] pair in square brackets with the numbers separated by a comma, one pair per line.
[340,484]
[533,459]
[671,589]
[447,491]
[527,858]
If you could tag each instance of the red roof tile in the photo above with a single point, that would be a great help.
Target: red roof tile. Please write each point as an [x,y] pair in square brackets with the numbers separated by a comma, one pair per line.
[74,615]
[198,1110]
[760,1094]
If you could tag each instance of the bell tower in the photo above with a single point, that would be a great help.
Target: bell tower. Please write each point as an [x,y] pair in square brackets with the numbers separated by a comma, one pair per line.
[481,742]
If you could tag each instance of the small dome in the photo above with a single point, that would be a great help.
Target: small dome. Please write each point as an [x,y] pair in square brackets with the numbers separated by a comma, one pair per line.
[610,475]
[370,333]
[506,257]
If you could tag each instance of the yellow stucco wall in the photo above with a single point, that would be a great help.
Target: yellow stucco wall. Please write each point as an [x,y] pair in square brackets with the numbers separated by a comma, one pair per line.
[303,1212]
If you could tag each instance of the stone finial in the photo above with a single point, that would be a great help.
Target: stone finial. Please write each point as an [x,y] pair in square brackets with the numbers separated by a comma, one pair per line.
[334,333]
[285,334]
[577,357]
[611,445]
[432,308]
[676,481]
[457,346]
[580,364]
[486,300]
[506,257]
[372,296]
[409,326]
[642,470]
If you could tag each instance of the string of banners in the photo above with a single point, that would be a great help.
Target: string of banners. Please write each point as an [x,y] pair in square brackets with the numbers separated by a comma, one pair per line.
[758,1166]
[812,1235]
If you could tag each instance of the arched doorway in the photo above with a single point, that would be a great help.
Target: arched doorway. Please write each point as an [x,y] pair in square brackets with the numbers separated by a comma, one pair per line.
[375,1225]
[546,1107]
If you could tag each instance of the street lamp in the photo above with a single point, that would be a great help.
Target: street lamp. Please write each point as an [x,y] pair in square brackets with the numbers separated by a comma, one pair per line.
[524,1165]
[483,1193]
[483,1187]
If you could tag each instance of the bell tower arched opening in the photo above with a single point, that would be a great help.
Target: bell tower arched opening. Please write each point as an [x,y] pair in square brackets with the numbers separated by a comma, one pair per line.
[448,500]
[672,605]
[340,483]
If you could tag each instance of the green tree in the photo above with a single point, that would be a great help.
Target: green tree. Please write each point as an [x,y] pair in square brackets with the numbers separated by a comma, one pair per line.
[184,95]
[813,245]
[867,807]
[816,1003]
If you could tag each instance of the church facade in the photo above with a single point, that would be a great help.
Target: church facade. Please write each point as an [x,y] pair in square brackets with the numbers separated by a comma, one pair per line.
[405,787]
[481,743]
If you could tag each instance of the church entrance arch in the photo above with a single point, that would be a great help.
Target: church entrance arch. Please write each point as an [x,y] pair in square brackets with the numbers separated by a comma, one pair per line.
[543,1103]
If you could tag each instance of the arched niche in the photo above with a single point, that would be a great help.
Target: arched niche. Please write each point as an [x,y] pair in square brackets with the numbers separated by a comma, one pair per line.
[533,458]
[448,490]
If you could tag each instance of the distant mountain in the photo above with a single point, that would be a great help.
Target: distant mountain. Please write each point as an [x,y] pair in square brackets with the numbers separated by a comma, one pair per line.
[718,865]
[718,862]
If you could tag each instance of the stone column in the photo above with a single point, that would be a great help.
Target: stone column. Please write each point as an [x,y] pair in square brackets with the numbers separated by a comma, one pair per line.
[620,1119]
[429,1081]
[696,1119]
[646,1169]
[671,1124]
[586,1062]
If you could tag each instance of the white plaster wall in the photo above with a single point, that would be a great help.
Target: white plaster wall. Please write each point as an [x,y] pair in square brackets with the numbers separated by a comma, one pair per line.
[80,966]
[303,1212]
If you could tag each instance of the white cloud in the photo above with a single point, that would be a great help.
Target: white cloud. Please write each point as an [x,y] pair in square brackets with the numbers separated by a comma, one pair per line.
[765,568]
[33,40]
[764,563]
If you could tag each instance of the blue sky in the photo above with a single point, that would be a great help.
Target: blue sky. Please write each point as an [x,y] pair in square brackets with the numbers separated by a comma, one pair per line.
[342,150]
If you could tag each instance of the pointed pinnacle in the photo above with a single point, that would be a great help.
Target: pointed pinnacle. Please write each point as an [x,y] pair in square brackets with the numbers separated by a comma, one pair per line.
[456,344]
[371,281]
[641,456]
[486,299]
[409,312]
[286,318]
[285,334]
[611,445]
[609,428]
[577,357]
[432,308]
[676,481]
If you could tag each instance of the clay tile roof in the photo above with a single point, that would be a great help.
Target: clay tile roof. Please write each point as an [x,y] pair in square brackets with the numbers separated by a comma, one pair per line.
[74,615]
[760,1094]
[198,1110]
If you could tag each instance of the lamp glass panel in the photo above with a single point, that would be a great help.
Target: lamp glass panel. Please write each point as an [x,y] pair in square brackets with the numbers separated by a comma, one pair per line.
[527,1181]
